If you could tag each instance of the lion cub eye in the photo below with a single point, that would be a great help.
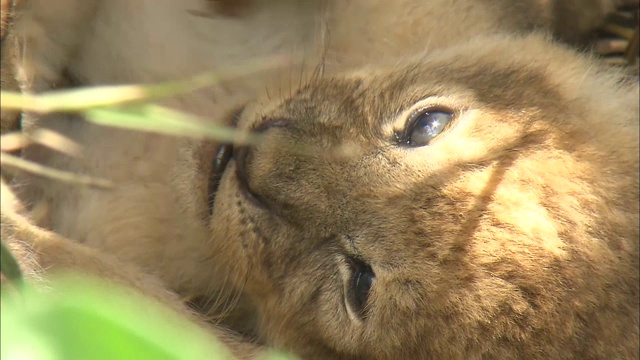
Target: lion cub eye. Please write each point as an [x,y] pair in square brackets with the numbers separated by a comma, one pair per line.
[426,125]
[362,279]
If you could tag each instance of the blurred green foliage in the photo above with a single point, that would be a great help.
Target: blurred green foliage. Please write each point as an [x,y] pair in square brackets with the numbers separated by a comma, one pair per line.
[76,317]
[72,317]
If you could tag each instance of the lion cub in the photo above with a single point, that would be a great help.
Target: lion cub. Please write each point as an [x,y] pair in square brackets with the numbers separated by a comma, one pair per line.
[476,203]
[442,187]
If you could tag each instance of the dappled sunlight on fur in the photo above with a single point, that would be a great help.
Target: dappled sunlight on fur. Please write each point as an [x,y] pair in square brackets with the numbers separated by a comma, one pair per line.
[512,234]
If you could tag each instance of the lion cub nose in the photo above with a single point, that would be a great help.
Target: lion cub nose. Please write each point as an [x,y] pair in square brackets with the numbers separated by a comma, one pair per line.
[240,155]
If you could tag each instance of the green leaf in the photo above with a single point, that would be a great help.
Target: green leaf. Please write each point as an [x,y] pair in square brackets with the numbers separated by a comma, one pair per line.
[78,318]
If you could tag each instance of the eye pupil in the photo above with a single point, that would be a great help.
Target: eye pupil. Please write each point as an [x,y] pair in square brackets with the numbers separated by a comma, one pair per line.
[426,126]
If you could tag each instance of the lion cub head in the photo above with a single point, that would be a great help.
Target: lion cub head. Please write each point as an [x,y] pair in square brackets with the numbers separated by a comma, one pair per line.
[480,202]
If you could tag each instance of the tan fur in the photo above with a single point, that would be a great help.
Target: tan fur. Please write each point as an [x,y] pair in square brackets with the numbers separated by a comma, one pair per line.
[42,252]
[514,235]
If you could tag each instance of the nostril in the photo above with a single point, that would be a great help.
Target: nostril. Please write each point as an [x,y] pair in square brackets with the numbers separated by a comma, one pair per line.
[240,157]
[220,161]
[241,153]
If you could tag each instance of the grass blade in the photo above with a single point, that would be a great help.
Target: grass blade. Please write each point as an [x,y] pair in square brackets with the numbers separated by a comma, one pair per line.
[64,176]
[158,119]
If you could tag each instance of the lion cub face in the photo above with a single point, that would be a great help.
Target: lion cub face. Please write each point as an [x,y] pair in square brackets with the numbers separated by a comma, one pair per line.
[480,202]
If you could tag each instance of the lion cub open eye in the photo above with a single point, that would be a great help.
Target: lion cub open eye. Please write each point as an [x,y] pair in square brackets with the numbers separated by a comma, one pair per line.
[359,283]
[424,125]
